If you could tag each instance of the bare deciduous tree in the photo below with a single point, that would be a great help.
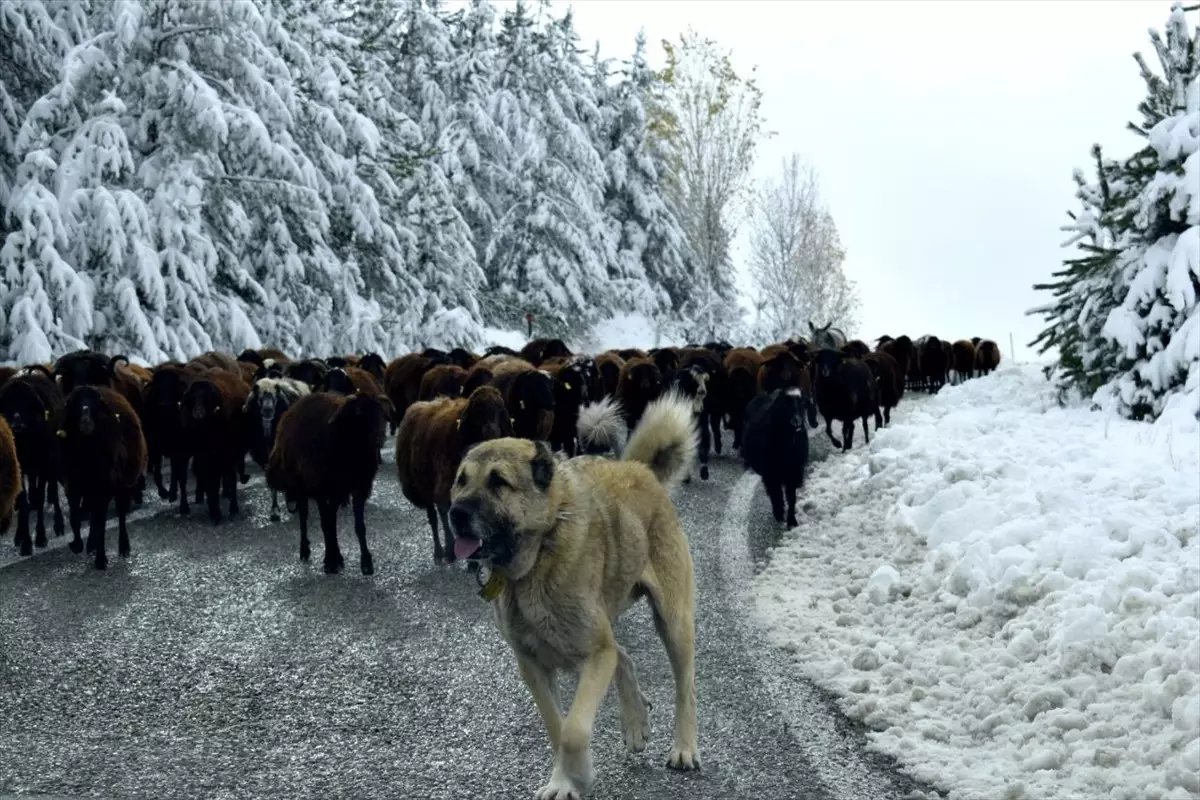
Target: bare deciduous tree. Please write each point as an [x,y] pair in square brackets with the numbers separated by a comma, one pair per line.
[708,122]
[796,257]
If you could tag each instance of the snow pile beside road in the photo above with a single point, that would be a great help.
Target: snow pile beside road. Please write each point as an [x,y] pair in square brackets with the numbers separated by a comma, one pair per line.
[1007,593]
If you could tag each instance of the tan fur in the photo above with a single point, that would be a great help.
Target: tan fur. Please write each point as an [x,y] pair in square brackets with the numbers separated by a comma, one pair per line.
[10,475]
[589,536]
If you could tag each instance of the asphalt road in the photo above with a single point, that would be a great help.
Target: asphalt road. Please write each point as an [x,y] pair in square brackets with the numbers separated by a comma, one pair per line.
[213,663]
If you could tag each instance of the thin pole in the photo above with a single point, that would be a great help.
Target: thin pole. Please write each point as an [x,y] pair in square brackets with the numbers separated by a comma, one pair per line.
[1012,351]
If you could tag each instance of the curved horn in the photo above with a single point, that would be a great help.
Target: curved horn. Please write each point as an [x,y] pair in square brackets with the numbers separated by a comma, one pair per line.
[114,361]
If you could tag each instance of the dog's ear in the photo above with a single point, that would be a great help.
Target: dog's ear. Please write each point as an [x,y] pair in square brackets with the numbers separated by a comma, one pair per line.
[542,466]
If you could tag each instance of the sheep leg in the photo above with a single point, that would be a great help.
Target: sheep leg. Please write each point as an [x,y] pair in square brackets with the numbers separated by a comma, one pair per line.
[302,514]
[829,432]
[878,418]
[95,538]
[791,488]
[59,529]
[75,512]
[122,499]
[448,533]
[333,554]
[22,540]
[156,460]
[714,422]
[847,434]
[866,422]
[178,490]
[231,482]
[438,555]
[38,496]
[139,490]
[705,444]
[775,492]
[360,529]
[243,476]
[212,490]
[887,416]
[275,506]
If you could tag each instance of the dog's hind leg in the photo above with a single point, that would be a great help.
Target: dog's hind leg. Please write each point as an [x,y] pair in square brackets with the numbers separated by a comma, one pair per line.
[675,619]
[635,717]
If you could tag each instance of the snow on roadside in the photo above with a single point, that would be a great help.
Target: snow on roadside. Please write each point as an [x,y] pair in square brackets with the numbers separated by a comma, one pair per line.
[615,333]
[1007,593]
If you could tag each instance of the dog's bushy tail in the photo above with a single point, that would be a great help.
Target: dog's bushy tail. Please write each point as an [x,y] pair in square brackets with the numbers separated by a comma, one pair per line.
[665,439]
[602,427]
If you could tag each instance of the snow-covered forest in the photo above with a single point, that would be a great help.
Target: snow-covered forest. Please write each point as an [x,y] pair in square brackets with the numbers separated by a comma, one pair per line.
[321,176]
[1125,319]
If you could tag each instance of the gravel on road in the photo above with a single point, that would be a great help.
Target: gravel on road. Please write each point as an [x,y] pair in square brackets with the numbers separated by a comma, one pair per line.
[212,663]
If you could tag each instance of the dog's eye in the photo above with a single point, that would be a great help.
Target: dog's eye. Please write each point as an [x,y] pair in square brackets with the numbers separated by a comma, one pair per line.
[496,482]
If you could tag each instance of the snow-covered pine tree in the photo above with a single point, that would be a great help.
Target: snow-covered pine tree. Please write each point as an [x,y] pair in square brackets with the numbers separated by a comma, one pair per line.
[651,258]
[1125,318]
[550,251]
[1157,324]
[440,249]
[1083,289]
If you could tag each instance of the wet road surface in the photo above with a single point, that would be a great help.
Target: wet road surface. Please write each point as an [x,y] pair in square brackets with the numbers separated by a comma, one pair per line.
[213,663]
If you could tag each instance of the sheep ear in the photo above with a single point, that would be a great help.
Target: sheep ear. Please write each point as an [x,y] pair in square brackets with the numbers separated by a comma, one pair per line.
[568,386]
[46,416]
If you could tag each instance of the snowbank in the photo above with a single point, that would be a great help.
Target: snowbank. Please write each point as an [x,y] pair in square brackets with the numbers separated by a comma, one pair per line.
[1007,593]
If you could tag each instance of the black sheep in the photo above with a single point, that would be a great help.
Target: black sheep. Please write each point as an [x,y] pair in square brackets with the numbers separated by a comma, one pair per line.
[845,390]
[327,448]
[310,370]
[214,438]
[103,456]
[775,445]
[163,427]
[32,404]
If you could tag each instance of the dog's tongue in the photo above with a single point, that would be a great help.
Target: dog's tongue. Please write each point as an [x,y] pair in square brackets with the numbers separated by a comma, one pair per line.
[466,546]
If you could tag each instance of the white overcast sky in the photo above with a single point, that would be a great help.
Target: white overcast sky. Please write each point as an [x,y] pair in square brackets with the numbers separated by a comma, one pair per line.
[944,133]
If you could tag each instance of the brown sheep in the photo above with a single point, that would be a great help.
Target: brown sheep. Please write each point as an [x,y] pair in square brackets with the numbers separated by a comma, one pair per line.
[856,348]
[6,373]
[987,356]
[444,380]
[631,352]
[327,448]
[772,350]
[431,441]
[214,437]
[639,385]
[784,371]
[10,476]
[218,360]
[963,359]
[741,368]
[402,381]
[609,366]
[901,349]
[529,396]
[667,361]
[539,350]
[104,455]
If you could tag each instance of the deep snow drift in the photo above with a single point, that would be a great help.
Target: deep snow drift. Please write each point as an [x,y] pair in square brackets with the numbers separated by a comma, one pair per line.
[1007,593]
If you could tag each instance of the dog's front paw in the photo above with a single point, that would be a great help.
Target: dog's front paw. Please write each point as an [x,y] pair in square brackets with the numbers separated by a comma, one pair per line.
[636,731]
[560,787]
[684,758]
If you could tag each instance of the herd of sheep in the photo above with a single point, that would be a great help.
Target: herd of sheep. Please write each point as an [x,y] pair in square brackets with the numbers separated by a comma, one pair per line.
[98,425]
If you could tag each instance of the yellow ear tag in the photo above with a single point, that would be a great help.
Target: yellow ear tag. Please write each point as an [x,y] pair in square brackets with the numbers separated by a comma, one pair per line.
[46,415]
[216,408]
[118,416]
[568,386]
[457,424]
[522,405]
[494,586]
[62,434]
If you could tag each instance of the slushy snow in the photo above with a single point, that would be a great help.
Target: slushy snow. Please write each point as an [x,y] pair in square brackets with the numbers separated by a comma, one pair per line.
[1007,593]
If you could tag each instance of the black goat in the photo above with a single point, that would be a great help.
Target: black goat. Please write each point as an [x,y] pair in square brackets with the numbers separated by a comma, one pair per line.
[775,445]
[268,400]
[32,404]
